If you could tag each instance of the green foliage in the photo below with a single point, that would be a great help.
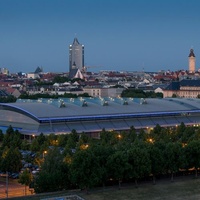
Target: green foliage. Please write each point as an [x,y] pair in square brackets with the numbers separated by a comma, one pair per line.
[25,177]
[1,136]
[62,140]
[11,160]
[12,138]
[118,165]
[35,146]
[87,162]
[54,173]
[60,79]
[174,95]
[85,169]
[139,161]
[137,93]
[173,157]
[8,99]
[133,93]
[52,96]
[41,139]
[157,159]
[102,154]
[25,145]
[192,154]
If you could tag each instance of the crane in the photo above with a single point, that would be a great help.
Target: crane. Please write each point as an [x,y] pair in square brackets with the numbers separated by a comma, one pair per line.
[85,68]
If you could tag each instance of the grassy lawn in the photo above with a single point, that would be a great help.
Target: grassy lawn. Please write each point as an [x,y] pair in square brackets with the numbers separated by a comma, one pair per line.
[181,189]
[177,190]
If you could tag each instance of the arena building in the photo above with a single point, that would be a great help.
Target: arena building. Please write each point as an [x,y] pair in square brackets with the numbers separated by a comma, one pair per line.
[91,115]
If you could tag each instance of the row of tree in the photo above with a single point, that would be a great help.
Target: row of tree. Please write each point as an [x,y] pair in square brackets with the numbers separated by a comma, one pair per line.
[119,157]
[79,161]
[7,99]
[137,93]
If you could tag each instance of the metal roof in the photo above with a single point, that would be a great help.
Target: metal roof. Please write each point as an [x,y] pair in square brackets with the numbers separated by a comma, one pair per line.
[50,108]
[94,114]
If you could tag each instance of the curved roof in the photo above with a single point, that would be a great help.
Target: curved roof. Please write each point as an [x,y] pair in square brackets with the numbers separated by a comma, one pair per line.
[94,114]
[41,110]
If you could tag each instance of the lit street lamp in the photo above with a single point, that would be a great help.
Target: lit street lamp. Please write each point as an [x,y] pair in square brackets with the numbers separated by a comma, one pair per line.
[44,152]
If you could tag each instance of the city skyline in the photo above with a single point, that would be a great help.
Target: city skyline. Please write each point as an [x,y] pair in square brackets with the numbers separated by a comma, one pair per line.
[130,35]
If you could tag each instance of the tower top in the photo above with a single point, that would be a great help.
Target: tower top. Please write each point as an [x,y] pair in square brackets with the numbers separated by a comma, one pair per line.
[191,53]
[75,41]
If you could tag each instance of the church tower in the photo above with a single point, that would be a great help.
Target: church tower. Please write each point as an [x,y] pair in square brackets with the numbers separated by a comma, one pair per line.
[191,59]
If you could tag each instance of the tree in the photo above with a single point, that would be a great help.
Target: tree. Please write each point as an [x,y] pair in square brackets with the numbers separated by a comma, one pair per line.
[25,145]
[15,141]
[174,95]
[12,160]
[188,135]
[10,130]
[25,178]
[102,154]
[173,157]
[35,146]
[157,159]
[118,165]
[85,170]
[130,136]
[139,161]
[1,135]
[62,140]
[41,139]
[12,138]
[54,173]
[52,139]
[192,153]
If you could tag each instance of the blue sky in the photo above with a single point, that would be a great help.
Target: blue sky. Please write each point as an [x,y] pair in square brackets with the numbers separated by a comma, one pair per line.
[129,35]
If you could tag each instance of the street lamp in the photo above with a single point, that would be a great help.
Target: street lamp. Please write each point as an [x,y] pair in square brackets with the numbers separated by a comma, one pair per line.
[119,136]
[44,152]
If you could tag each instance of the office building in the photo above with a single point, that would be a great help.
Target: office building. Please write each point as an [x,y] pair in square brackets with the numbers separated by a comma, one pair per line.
[76,55]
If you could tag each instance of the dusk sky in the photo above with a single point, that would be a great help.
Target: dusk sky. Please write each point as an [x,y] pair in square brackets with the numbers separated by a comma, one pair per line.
[124,35]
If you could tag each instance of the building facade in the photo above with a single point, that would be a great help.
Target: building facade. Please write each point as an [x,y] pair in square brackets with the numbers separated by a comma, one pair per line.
[103,92]
[76,55]
[184,89]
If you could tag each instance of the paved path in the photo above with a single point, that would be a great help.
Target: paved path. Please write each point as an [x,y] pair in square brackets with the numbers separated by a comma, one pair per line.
[14,189]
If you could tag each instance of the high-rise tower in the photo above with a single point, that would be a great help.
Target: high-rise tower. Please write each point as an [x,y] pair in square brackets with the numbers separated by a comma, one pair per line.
[191,59]
[76,55]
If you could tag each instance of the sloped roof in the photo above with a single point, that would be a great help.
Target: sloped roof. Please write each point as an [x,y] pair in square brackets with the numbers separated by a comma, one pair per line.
[187,82]
[72,73]
[174,85]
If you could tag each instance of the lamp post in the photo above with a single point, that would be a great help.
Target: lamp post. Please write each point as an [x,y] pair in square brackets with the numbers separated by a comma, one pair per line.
[44,152]
[6,184]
